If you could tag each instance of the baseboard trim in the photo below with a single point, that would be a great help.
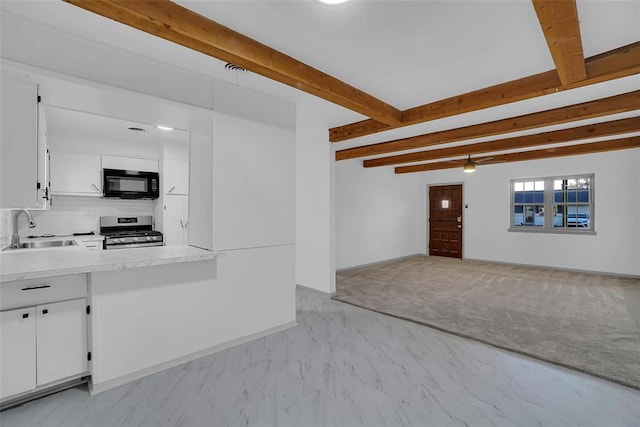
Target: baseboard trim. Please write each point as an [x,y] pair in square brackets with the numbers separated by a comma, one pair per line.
[51,388]
[328,295]
[549,267]
[116,382]
[371,264]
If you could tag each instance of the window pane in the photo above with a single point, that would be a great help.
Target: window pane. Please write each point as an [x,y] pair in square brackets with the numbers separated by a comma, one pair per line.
[539,197]
[558,196]
[518,197]
[528,186]
[583,196]
[557,184]
[539,185]
[528,197]
[532,216]
[518,186]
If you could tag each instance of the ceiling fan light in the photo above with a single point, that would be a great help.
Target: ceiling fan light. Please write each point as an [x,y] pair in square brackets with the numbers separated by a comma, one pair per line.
[469,166]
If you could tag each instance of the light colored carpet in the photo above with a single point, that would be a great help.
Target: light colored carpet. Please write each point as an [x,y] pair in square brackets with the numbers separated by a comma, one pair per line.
[583,321]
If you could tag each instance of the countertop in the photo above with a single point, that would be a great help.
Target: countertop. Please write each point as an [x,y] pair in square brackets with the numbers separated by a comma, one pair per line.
[37,263]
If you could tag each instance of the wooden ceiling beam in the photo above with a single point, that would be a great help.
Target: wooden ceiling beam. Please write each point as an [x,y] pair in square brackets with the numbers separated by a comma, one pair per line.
[586,110]
[559,22]
[177,24]
[616,127]
[546,153]
[621,62]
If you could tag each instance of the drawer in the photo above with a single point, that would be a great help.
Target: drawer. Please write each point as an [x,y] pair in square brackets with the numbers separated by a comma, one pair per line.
[23,293]
[92,245]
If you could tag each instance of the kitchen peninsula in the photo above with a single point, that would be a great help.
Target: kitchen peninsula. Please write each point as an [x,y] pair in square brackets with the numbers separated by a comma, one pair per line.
[147,309]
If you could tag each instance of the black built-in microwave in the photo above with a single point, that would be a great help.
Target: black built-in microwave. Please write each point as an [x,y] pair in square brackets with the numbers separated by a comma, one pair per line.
[126,184]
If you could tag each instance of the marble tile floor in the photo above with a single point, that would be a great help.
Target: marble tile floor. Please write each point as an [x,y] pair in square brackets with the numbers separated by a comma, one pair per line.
[347,366]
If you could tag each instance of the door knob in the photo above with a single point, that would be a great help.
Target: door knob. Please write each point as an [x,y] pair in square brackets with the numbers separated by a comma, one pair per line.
[459,225]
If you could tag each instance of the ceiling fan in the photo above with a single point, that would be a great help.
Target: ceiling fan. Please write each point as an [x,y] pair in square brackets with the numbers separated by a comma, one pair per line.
[470,165]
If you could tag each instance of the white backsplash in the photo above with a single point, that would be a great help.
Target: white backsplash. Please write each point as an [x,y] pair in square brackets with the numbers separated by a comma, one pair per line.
[72,214]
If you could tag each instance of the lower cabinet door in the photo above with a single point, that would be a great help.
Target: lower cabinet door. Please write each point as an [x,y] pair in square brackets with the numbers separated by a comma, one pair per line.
[17,351]
[61,339]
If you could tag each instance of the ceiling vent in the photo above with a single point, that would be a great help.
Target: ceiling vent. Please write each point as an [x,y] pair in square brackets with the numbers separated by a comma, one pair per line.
[234,67]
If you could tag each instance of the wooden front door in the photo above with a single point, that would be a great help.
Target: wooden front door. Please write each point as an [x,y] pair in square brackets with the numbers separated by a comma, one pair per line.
[445,221]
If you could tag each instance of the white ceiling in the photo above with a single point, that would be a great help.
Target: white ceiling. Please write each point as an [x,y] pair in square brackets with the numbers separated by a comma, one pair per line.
[84,123]
[406,53]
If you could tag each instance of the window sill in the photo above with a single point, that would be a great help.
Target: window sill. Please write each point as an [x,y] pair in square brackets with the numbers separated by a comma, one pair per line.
[545,231]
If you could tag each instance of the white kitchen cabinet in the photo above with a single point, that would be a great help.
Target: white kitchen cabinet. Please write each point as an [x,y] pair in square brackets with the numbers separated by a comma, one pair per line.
[76,174]
[43,343]
[18,351]
[22,159]
[175,223]
[61,331]
[129,163]
[175,176]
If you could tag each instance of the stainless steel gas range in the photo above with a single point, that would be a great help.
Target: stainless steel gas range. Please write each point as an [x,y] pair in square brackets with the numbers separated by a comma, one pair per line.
[129,232]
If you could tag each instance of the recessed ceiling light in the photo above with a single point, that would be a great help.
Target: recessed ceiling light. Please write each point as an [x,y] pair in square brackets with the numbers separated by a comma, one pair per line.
[332,1]
[164,127]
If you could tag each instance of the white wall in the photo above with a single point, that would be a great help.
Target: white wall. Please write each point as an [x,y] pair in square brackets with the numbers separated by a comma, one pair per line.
[376,214]
[615,248]
[315,249]
[253,184]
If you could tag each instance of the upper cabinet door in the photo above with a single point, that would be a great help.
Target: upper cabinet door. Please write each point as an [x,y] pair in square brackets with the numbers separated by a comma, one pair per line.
[76,174]
[253,184]
[129,163]
[175,176]
[19,145]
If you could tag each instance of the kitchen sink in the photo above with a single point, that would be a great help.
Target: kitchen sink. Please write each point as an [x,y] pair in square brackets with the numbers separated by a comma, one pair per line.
[43,244]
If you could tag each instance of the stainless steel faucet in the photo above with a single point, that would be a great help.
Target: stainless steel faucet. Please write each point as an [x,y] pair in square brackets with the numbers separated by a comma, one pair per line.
[15,237]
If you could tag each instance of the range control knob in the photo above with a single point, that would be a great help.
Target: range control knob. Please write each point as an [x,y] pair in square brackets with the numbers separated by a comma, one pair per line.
[148,238]
[116,240]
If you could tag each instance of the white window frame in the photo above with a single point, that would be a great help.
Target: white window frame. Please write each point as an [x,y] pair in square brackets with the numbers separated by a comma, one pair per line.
[548,203]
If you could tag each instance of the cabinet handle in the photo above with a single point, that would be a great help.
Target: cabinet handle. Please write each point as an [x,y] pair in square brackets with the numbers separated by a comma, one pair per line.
[32,288]
[25,315]
[186,225]
[173,187]
[45,311]
[95,188]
